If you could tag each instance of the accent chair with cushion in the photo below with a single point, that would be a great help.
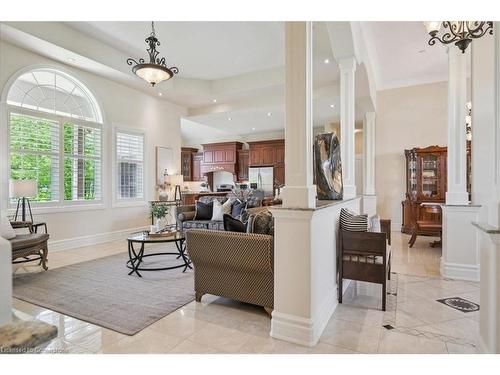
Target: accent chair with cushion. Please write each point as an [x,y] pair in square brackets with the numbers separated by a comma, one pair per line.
[364,255]
[26,247]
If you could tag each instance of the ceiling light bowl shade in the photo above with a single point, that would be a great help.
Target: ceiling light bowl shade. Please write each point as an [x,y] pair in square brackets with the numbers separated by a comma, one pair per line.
[156,70]
[432,27]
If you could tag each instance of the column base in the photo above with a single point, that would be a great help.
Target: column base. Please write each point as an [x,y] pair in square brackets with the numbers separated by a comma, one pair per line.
[349,191]
[299,196]
[457,198]
[460,259]
[300,330]
[369,205]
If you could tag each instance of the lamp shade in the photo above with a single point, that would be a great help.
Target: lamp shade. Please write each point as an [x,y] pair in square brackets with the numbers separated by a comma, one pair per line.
[432,27]
[176,179]
[23,188]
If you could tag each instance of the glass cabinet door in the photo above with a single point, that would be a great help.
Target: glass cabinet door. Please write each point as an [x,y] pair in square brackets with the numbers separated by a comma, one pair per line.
[430,176]
[412,175]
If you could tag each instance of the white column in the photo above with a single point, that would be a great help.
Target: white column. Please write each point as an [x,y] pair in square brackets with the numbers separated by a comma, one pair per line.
[457,86]
[5,282]
[299,190]
[486,176]
[369,197]
[460,259]
[305,286]
[347,151]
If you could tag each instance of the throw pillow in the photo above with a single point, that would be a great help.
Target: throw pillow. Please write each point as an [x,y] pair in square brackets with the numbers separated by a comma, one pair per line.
[220,209]
[352,222]
[6,230]
[375,224]
[261,222]
[238,208]
[203,210]
[233,225]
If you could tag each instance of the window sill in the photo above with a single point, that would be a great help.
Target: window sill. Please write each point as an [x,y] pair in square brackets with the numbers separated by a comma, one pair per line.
[131,203]
[58,209]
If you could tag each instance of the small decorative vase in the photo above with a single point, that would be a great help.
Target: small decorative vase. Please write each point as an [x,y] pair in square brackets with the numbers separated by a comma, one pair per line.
[163,196]
[158,224]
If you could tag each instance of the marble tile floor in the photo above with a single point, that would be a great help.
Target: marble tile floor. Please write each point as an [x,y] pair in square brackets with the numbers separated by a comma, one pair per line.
[415,322]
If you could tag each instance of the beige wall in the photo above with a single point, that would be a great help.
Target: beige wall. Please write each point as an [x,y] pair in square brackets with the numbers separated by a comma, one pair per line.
[407,117]
[121,107]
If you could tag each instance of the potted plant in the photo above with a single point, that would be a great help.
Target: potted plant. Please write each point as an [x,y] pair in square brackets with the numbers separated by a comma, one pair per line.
[158,212]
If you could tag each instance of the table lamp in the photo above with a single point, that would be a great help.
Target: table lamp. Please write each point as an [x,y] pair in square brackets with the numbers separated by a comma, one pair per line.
[175,180]
[23,190]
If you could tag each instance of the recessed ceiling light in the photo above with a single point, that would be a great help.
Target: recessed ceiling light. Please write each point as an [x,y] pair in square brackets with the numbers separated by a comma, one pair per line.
[160,94]
[71,59]
[229,119]
[326,61]
[215,100]
[332,105]
[269,114]
[253,128]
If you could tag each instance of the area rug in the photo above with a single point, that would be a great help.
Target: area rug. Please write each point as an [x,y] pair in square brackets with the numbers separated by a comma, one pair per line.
[101,292]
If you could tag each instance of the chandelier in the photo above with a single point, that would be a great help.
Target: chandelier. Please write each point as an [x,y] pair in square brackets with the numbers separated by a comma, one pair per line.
[460,32]
[156,70]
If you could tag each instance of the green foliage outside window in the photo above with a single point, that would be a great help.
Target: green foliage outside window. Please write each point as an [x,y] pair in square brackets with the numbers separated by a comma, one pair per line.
[41,137]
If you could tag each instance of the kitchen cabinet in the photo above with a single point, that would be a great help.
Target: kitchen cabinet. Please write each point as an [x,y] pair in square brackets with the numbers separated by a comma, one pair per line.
[197,161]
[220,157]
[279,175]
[187,154]
[243,164]
[269,154]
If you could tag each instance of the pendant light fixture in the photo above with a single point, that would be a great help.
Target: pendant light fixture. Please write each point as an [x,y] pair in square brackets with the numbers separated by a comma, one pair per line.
[156,70]
[460,32]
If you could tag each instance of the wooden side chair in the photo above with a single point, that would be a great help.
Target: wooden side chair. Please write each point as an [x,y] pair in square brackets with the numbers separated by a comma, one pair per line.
[366,256]
[419,226]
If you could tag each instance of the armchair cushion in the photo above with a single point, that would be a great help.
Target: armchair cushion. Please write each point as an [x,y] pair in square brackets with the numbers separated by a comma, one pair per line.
[22,241]
[353,223]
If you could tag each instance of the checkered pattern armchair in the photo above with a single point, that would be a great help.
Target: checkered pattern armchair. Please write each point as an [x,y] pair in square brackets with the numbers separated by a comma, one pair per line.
[233,265]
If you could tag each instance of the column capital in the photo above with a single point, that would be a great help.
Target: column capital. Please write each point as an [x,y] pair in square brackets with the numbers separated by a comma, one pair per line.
[347,64]
[370,116]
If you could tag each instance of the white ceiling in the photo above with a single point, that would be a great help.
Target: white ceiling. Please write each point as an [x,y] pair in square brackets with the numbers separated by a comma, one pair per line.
[201,50]
[401,54]
[239,64]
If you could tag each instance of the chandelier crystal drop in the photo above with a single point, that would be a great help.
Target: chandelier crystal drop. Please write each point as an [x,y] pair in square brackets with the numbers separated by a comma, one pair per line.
[459,32]
[156,70]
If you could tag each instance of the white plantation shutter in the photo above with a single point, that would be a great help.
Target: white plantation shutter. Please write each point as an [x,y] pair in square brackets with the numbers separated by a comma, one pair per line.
[82,162]
[130,169]
[34,153]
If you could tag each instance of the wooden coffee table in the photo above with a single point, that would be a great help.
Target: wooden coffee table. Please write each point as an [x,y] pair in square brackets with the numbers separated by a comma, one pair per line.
[136,256]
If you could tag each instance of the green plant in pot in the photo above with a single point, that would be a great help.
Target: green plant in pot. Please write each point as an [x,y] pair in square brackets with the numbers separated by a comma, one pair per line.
[158,212]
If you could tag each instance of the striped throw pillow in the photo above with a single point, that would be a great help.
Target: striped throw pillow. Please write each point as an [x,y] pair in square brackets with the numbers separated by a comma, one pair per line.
[352,222]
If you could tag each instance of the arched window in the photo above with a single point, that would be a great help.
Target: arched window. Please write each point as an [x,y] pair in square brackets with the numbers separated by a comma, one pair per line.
[55,136]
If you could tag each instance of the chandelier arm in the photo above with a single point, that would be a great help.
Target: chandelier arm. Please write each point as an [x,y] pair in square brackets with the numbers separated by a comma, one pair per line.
[479,32]
[131,61]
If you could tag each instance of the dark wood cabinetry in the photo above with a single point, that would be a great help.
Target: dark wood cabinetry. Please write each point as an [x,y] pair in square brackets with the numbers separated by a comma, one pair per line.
[269,154]
[197,160]
[220,157]
[243,164]
[426,182]
[187,156]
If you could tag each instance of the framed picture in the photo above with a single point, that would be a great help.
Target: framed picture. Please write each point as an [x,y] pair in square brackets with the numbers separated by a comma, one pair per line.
[164,162]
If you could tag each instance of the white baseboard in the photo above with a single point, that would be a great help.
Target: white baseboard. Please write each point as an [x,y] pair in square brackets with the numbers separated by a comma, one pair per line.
[304,331]
[458,271]
[93,239]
